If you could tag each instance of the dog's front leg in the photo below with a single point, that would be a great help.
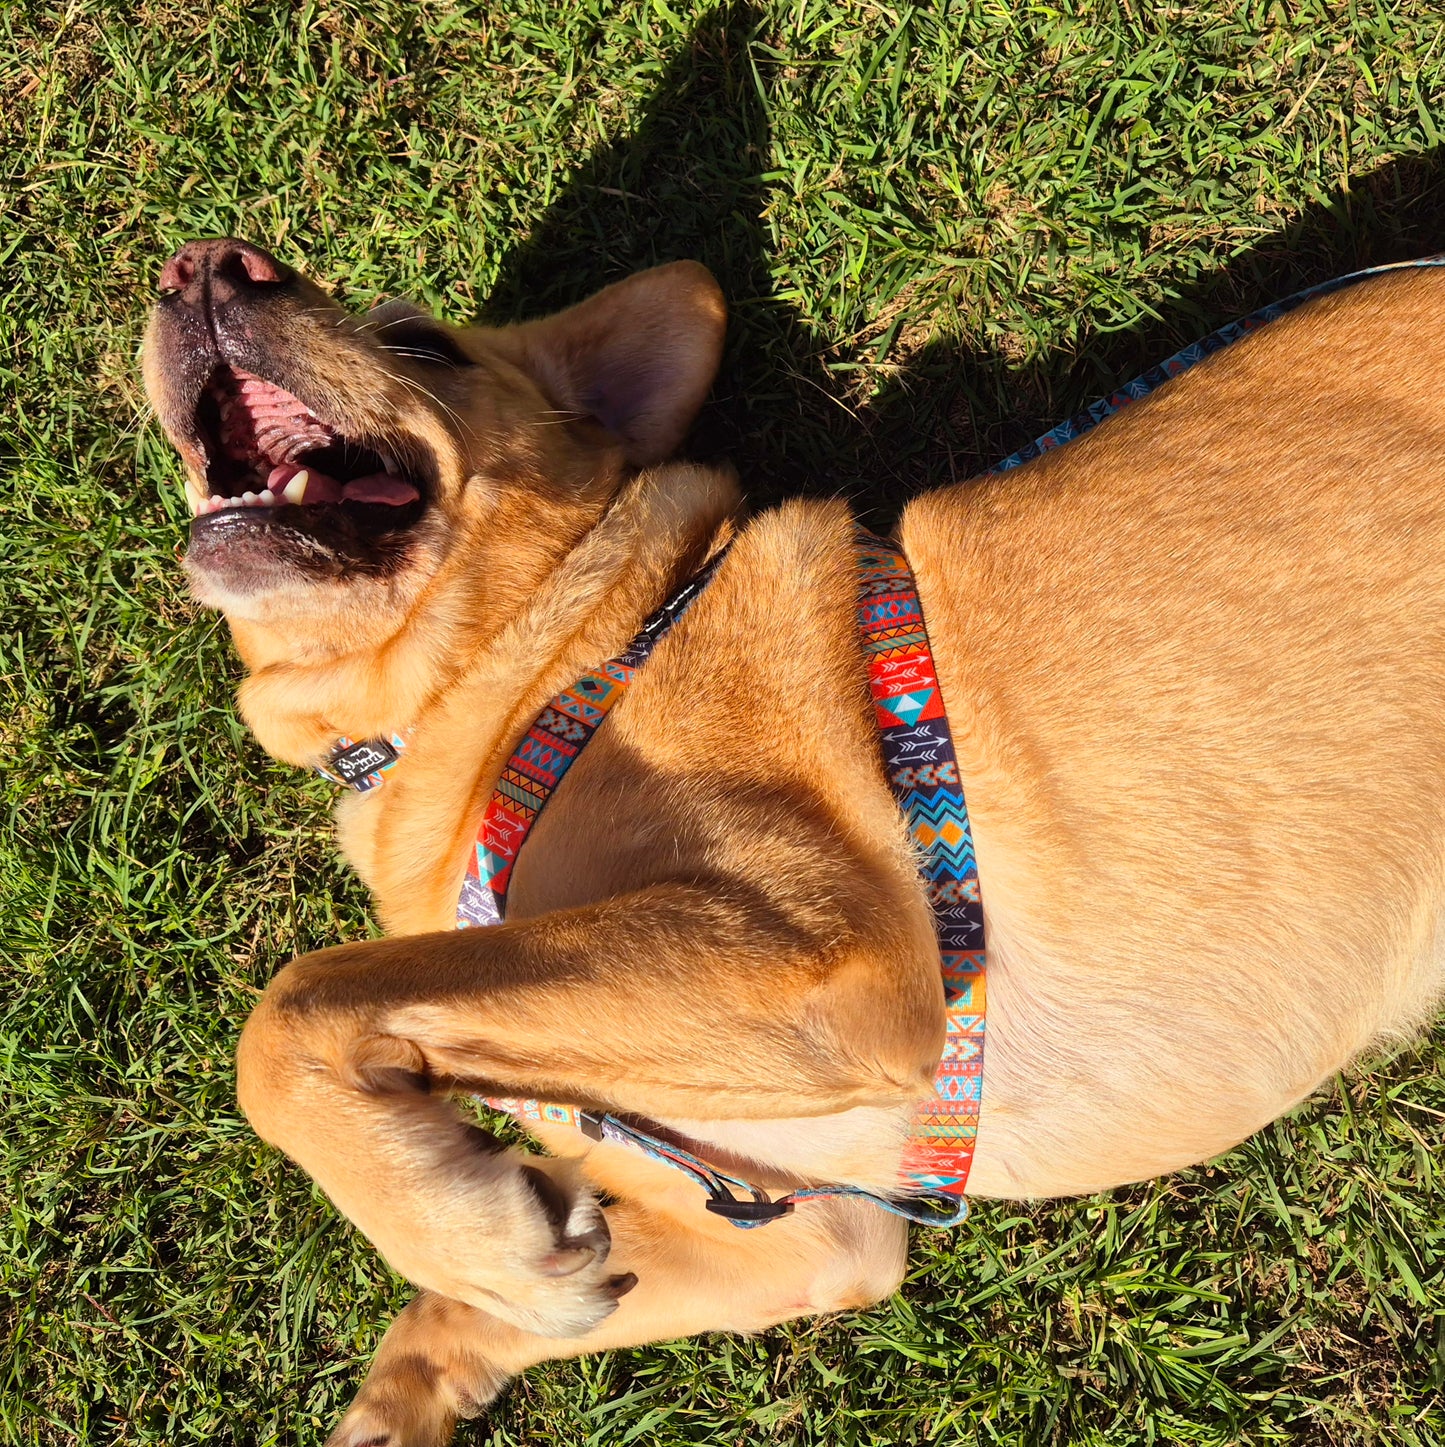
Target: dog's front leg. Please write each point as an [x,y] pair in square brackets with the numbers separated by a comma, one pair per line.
[441,1361]
[673,1001]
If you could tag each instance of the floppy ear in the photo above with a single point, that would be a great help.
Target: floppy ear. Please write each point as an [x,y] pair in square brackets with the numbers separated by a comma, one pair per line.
[638,357]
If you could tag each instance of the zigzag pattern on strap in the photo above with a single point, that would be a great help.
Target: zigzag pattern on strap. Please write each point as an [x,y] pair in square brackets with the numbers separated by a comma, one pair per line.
[922,771]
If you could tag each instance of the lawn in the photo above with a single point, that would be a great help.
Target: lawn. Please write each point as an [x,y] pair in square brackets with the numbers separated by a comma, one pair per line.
[942,229]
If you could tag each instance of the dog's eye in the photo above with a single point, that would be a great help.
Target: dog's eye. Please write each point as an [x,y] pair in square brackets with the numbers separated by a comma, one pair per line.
[423,343]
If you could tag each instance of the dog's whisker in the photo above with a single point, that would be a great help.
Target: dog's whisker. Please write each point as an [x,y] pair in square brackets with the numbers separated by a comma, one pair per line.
[437,402]
[419,354]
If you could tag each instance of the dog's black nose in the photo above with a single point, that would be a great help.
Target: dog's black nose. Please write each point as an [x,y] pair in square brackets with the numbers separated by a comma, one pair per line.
[221,271]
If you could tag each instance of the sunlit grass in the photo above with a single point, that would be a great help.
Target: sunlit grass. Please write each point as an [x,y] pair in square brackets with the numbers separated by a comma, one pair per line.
[941,229]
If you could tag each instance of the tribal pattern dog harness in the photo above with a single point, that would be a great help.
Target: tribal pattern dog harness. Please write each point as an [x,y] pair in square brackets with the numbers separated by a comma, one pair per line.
[922,769]
[548,749]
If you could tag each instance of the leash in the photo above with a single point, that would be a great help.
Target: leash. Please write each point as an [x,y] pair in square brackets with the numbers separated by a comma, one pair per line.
[1190,356]
[745,1204]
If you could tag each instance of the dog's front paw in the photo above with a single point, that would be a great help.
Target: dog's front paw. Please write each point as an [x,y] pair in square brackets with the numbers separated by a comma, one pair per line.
[518,1236]
[375,1426]
[397,1413]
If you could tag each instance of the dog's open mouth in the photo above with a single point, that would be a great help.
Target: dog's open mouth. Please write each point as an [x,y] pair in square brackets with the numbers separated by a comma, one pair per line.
[265,448]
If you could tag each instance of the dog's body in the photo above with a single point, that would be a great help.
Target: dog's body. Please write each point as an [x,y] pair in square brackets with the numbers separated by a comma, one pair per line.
[1194,664]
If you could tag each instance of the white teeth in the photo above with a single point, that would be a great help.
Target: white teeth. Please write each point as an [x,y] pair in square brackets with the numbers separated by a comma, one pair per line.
[268,498]
[198,505]
[217,501]
[250,499]
[234,502]
[295,490]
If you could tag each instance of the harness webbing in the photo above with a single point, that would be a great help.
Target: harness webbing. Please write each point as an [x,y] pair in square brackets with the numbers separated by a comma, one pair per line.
[922,770]
[548,749]
[923,773]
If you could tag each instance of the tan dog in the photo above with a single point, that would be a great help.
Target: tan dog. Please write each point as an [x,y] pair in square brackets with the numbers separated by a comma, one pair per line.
[1195,669]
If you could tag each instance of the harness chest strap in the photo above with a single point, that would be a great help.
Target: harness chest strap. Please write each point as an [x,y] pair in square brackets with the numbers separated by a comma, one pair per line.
[922,769]
[548,749]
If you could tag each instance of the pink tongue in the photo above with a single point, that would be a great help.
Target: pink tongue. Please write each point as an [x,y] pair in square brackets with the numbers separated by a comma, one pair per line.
[382,487]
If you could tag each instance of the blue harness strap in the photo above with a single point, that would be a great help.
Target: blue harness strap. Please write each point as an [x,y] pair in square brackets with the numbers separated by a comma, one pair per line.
[1187,357]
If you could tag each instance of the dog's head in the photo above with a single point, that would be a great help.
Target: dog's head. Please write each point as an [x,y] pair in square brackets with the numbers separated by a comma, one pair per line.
[334,461]
[366,486]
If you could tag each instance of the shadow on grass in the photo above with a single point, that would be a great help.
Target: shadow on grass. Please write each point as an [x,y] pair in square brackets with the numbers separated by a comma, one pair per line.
[688,182]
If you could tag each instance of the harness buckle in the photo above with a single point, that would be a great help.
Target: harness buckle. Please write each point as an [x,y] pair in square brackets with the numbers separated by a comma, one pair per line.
[749,1213]
[354,765]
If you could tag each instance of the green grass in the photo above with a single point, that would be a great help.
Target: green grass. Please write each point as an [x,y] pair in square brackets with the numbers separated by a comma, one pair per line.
[942,229]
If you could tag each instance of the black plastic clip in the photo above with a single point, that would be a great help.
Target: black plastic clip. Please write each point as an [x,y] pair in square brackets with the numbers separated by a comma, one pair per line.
[749,1213]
